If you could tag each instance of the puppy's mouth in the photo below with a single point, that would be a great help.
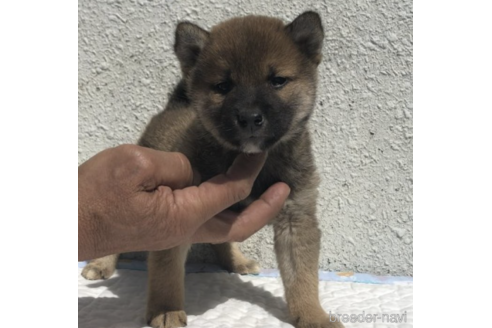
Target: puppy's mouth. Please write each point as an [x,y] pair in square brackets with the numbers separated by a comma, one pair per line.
[252,145]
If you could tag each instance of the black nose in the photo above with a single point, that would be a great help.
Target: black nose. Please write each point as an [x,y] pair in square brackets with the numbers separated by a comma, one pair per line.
[253,121]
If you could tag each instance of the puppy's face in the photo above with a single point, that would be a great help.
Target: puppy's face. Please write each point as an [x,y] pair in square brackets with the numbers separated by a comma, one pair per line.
[252,80]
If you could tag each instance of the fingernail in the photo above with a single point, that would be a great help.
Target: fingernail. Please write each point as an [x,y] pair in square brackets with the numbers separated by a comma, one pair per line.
[254,156]
[281,192]
[288,191]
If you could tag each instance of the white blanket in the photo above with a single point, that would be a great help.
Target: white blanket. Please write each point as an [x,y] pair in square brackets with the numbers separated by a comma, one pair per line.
[223,300]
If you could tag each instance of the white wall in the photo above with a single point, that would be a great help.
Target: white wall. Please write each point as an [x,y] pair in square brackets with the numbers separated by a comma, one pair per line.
[362,127]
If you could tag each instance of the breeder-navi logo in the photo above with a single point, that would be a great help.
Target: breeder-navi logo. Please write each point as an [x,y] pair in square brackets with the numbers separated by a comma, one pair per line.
[368,318]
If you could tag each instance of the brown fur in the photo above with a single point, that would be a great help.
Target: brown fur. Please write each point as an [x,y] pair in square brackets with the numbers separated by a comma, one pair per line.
[247,51]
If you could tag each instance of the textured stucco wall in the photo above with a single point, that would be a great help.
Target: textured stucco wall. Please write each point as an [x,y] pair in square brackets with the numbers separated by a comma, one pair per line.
[362,126]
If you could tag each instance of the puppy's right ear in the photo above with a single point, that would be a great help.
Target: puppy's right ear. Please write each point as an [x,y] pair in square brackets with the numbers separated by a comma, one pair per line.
[189,42]
[307,32]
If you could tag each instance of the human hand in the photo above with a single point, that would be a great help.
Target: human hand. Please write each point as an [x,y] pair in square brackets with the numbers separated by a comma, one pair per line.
[133,198]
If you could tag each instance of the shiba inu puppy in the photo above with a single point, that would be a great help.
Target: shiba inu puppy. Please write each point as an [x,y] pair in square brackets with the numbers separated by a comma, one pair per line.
[248,86]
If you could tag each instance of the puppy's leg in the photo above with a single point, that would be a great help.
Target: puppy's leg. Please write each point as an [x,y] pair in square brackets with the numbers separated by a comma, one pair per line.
[165,295]
[101,268]
[297,242]
[231,258]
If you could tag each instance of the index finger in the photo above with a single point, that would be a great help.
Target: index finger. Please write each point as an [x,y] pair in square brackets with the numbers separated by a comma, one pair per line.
[222,191]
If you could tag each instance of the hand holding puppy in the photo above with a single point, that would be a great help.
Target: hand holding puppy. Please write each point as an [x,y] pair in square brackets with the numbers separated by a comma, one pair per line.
[133,198]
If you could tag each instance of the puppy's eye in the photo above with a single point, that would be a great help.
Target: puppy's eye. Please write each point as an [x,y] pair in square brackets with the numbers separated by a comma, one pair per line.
[278,81]
[223,87]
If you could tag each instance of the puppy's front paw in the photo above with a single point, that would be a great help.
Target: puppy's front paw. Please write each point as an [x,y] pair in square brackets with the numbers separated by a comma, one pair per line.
[325,322]
[245,267]
[97,270]
[171,319]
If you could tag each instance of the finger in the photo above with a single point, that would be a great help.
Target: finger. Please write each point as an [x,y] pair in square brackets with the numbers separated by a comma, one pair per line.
[216,230]
[222,191]
[260,212]
[229,226]
[170,169]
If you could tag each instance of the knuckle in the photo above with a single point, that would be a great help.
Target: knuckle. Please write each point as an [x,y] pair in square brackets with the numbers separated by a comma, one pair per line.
[165,210]
[132,160]
[139,158]
[185,165]
[126,149]
[174,213]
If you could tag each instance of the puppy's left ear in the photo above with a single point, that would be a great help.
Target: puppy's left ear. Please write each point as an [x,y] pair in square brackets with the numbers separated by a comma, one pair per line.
[307,32]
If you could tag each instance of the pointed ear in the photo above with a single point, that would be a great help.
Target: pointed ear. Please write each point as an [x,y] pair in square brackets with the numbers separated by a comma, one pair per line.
[307,32]
[189,42]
